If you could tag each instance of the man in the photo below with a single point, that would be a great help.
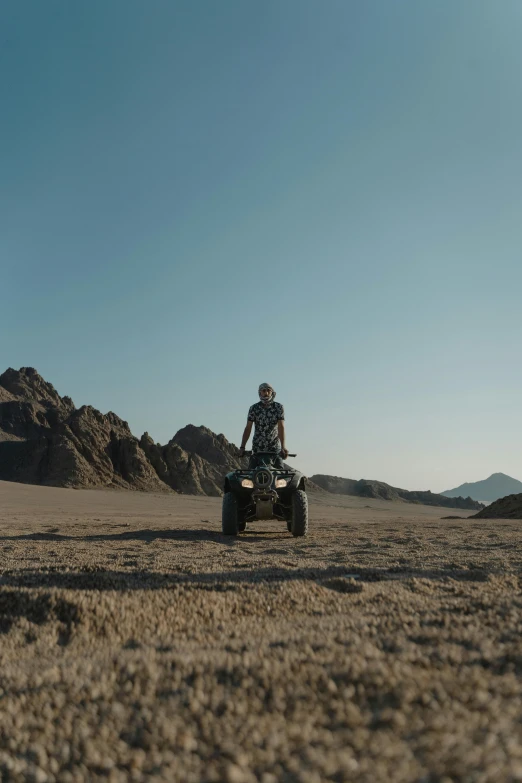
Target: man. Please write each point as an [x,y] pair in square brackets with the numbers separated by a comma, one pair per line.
[269,435]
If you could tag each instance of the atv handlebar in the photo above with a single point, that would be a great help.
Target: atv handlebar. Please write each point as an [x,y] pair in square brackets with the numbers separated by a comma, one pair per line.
[273,453]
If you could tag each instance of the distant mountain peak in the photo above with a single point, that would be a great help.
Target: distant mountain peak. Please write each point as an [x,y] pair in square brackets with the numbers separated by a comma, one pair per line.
[498,485]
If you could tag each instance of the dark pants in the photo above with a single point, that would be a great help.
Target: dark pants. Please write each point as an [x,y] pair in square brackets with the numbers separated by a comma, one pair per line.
[276,462]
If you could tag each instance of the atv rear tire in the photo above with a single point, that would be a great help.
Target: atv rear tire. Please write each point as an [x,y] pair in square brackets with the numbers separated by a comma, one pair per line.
[230,516]
[299,523]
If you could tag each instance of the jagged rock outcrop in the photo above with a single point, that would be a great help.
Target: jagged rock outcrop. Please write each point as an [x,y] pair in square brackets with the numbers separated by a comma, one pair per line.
[195,461]
[6,396]
[509,507]
[29,405]
[212,448]
[27,384]
[186,471]
[380,490]
[45,440]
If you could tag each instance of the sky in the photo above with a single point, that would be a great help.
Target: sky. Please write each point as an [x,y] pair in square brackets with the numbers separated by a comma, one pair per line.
[326,195]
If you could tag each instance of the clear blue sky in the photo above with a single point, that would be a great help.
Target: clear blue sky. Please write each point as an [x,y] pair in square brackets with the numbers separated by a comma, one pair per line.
[326,195]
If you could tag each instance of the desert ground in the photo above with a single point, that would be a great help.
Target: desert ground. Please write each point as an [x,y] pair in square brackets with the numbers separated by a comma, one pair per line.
[138,643]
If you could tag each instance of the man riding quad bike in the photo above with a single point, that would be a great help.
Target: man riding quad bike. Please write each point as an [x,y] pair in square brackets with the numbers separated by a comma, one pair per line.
[268,489]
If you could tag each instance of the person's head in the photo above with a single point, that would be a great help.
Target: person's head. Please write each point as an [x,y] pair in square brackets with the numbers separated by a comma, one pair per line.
[266,393]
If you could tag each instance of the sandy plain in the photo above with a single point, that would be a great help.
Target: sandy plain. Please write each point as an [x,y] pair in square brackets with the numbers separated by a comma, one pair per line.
[138,643]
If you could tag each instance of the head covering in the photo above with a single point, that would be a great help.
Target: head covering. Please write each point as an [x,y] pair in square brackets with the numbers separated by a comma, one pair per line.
[270,388]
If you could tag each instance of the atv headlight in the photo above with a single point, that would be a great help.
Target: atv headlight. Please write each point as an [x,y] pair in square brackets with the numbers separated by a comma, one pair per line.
[247,483]
[281,483]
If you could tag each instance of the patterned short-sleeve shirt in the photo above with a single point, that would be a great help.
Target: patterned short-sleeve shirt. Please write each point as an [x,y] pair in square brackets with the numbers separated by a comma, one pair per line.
[265,418]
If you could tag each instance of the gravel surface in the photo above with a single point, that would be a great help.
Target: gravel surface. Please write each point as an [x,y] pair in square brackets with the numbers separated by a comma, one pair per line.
[138,643]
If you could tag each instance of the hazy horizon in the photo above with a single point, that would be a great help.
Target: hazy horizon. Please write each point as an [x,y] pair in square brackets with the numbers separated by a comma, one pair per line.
[199,197]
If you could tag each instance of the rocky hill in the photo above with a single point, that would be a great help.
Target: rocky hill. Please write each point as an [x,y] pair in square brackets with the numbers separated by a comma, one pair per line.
[45,439]
[378,489]
[195,461]
[509,507]
[498,485]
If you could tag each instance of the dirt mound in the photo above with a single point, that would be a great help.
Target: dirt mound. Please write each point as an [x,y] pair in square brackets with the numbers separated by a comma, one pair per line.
[509,507]
[380,490]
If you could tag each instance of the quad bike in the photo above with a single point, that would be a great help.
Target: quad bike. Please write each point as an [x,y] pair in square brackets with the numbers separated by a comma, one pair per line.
[265,492]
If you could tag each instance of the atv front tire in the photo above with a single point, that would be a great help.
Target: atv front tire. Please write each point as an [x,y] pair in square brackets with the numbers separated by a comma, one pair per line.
[229,515]
[299,522]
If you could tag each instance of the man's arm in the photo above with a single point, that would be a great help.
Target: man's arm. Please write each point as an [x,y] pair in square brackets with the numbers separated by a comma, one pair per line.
[244,439]
[281,434]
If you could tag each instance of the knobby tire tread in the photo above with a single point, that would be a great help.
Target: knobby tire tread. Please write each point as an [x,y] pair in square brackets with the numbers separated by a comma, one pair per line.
[230,516]
[299,525]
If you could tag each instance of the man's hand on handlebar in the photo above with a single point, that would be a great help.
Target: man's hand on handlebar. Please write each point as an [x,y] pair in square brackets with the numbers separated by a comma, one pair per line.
[284,453]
